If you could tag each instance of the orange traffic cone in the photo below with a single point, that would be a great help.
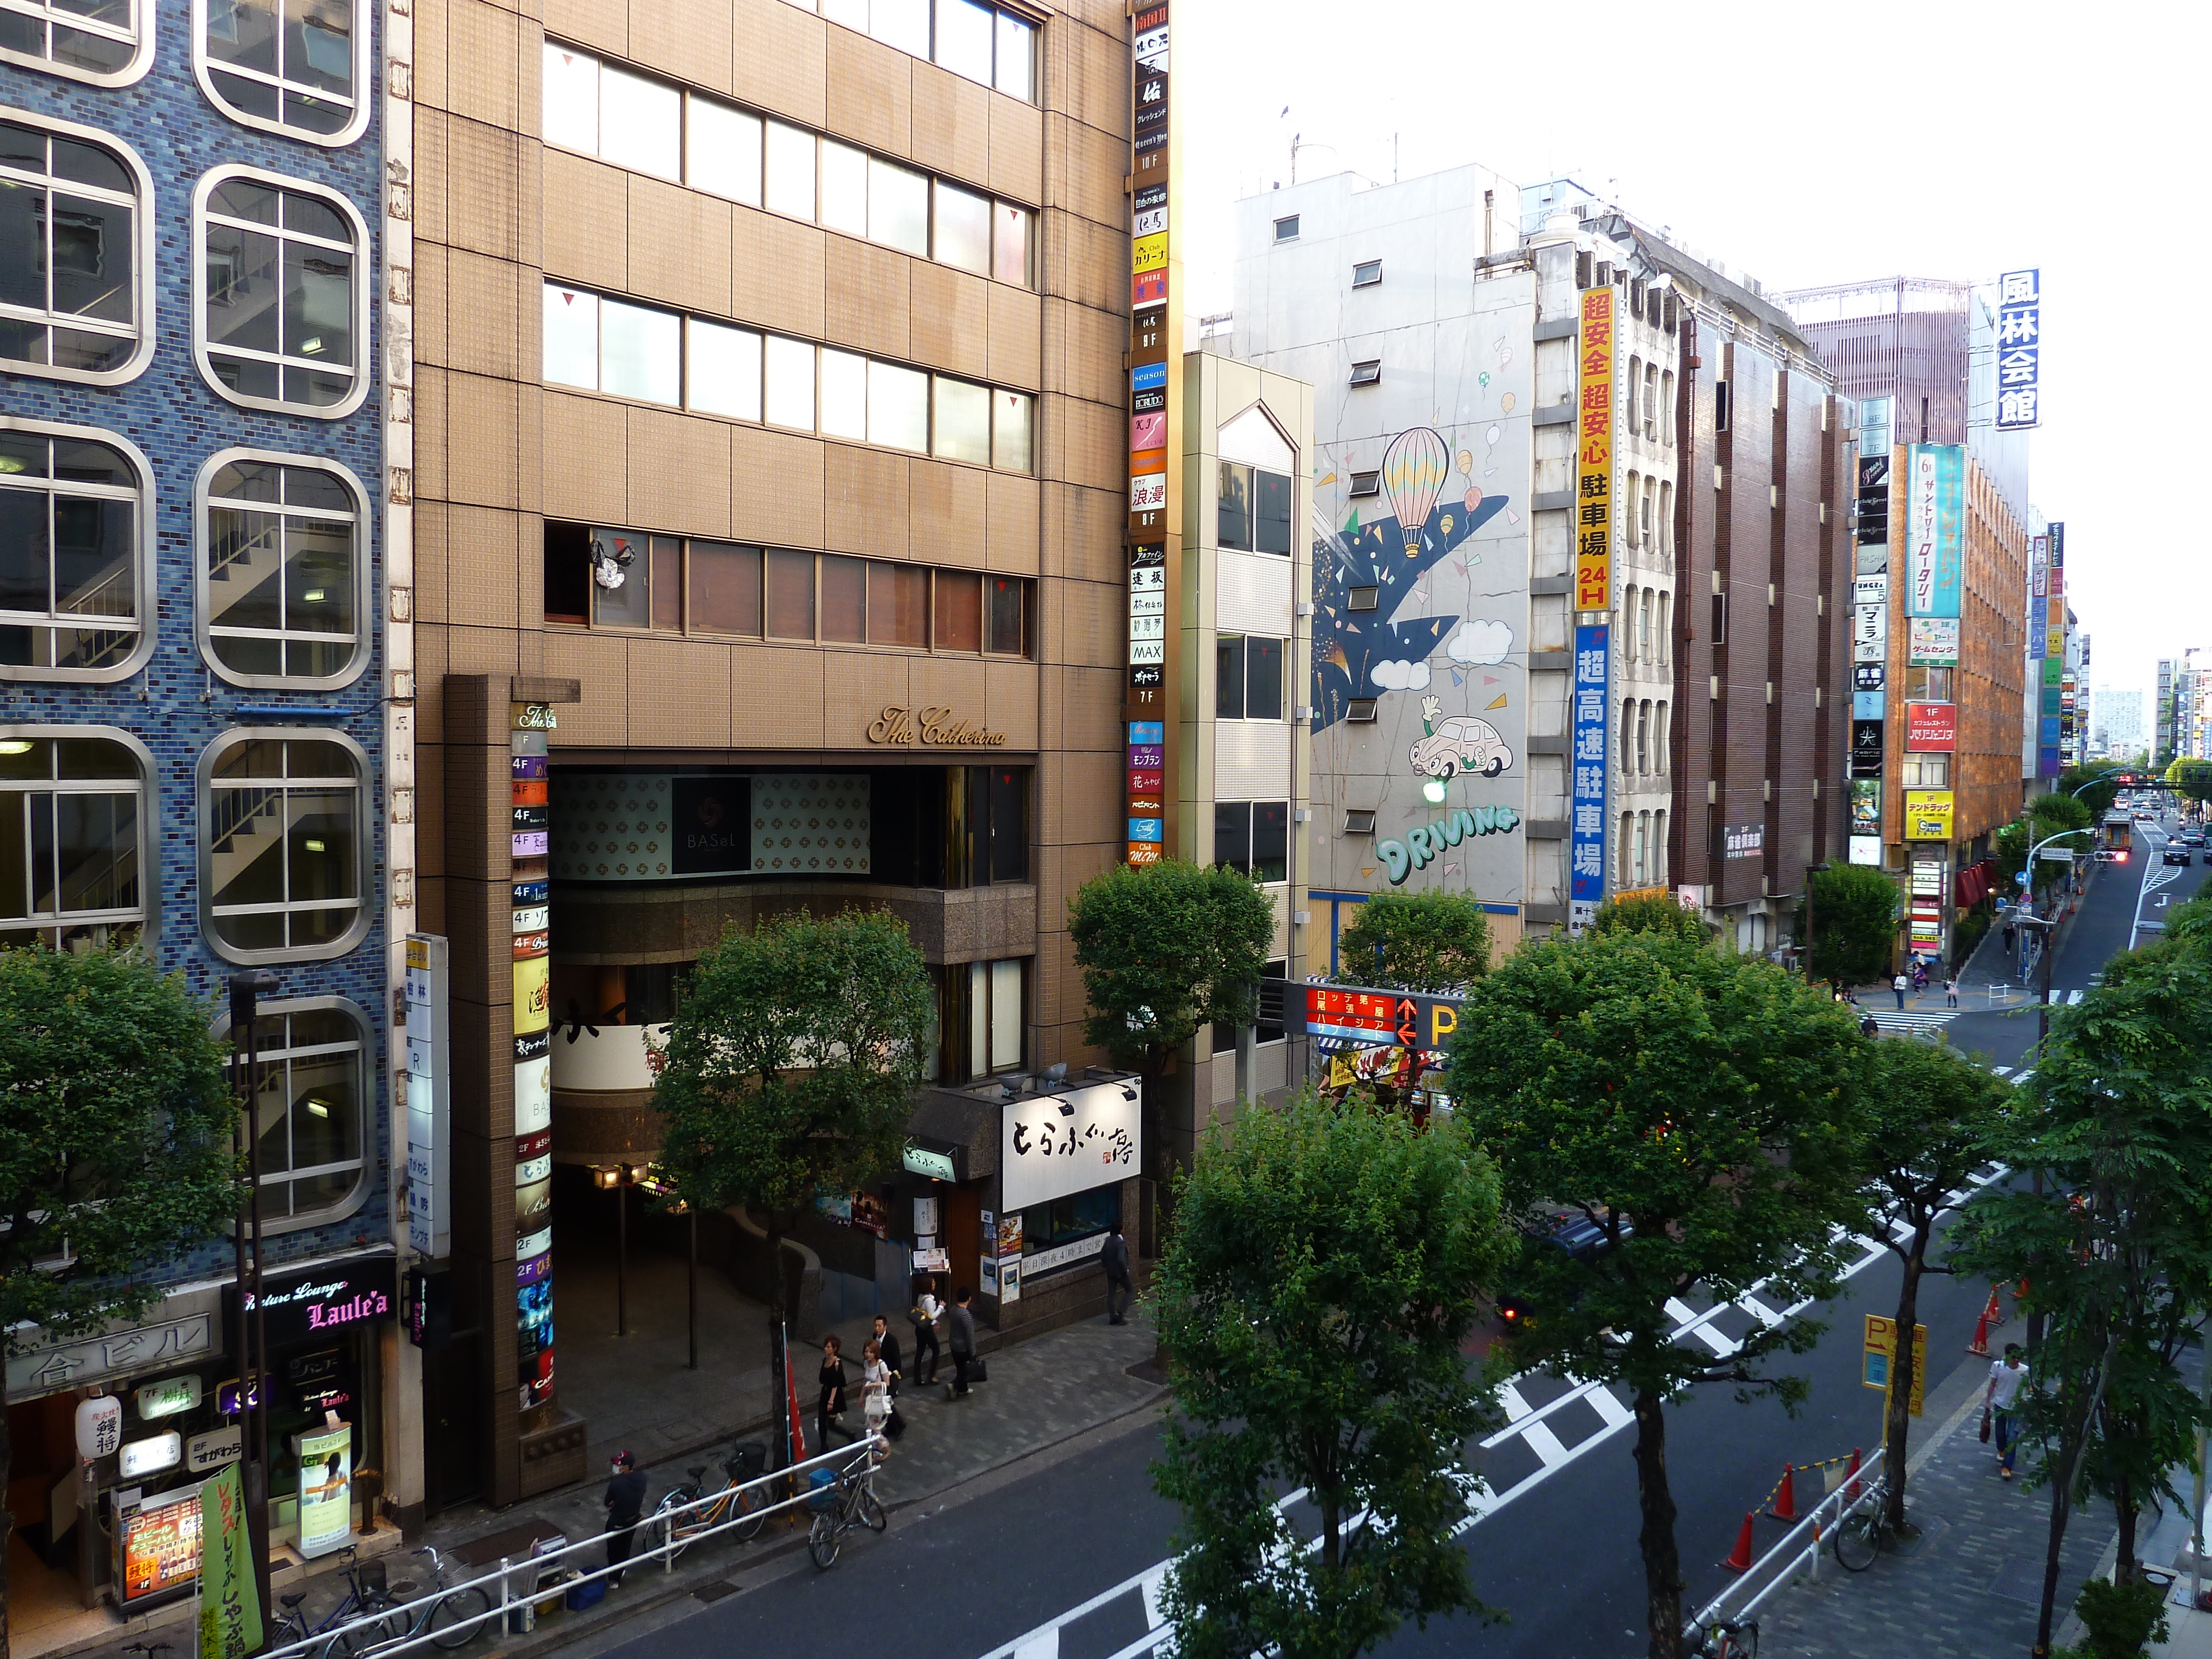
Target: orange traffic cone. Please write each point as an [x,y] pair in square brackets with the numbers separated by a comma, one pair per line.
[1980,1345]
[1741,1561]
[1785,1497]
[1850,1479]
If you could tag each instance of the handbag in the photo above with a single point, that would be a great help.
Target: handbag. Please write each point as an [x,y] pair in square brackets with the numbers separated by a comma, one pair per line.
[1985,1426]
[977,1372]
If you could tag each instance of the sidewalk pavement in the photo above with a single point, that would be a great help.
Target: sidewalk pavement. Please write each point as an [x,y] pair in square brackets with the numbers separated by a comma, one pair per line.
[1972,1585]
[1041,1392]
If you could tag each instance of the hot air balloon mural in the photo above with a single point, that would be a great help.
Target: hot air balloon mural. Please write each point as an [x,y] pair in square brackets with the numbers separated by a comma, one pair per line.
[1385,562]
[1413,471]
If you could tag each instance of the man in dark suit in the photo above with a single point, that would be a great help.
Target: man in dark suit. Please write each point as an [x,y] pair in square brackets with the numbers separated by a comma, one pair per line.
[1114,1257]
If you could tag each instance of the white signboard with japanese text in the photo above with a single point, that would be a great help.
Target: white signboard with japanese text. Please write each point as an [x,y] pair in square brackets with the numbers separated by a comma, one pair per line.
[429,1059]
[1056,1144]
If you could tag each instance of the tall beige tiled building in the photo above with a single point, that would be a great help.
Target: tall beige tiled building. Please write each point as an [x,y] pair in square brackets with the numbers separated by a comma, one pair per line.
[768,481]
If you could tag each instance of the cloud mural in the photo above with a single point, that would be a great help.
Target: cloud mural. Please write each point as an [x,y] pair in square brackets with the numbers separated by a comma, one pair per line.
[1480,642]
[1399,676]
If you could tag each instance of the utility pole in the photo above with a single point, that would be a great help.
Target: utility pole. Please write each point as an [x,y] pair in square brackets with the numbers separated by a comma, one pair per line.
[251,1338]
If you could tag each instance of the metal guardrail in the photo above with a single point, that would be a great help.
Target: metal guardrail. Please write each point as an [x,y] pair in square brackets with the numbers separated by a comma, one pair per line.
[516,1584]
[1798,1551]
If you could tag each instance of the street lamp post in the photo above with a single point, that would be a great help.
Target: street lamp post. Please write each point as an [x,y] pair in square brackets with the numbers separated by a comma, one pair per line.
[250,1343]
[618,1180]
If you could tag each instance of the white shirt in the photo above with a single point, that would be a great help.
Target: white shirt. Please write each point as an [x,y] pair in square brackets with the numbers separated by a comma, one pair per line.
[1898,984]
[876,1401]
[2004,1384]
[932,1309]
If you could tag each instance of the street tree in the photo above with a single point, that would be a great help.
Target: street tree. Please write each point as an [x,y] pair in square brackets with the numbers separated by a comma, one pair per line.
[2115,1241]
[1652,915]
[1701,1112]
[1435,942]
[788,1070]
[1164,949]
[1327,1263]
[2096,787]
[2046,817]
[1933,1115]
[2193,778]
[118,1144]
[1852,926]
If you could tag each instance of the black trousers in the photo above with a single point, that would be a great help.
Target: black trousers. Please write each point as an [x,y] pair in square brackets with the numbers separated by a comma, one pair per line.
[621,1541]
[824,1425]
[960,1371]
[925,1342]
[1118,1292]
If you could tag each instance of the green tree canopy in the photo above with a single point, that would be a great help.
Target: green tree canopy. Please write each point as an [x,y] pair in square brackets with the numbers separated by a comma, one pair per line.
[790,1067]
[1434,942]
[1853,925]
[1164,949]
[1325,1266]
[1652,915]
[2047,815]
[1934,1117]
[1701,1112]
[2097,786]
[2115,1243]
[117,1143]
[2193,778]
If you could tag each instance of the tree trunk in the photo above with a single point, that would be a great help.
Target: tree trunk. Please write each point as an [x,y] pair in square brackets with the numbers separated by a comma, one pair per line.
[2125,1568]
[779,1339]
[2062,1495]
[1663,1562]
[1899,1403]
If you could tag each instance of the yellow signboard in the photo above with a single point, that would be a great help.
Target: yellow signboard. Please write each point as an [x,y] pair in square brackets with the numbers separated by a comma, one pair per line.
[1928,814]
[1881,1352]
[1149,253]
[1594,454]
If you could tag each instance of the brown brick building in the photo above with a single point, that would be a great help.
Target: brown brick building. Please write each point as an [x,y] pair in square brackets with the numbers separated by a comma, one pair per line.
[765,410]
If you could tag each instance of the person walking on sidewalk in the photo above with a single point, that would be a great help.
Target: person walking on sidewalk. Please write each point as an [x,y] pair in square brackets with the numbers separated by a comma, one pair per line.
[831,1404]
[1115,1258]
[1951,990]
[2006,1376]
[964,1344]
[1897,985]
[887,1345]
[875,1395]
[928,1310]
[625,1507]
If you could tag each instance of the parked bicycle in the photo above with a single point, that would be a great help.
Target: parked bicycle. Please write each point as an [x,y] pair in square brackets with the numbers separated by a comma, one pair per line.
[1858,1538]
[735,1500]
[451,1621]
[293,1626]
[852,1502]
[1728,1640]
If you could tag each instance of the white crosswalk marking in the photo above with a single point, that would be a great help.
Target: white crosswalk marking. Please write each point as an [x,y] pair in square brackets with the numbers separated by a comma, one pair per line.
[2073,997]
[1550,1449]
[1914,1019]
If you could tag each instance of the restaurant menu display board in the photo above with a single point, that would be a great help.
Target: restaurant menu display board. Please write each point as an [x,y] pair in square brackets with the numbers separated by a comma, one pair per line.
[157,1546]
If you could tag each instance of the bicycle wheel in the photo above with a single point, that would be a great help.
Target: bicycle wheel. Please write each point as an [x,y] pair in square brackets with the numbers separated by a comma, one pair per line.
[359,1639]
[822,1541]
[871,1512]
[1741,1642]
[455,1621]
[749,1506]
[1858,1541]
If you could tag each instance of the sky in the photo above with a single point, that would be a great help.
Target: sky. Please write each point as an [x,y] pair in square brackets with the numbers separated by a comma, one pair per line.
[1931,139]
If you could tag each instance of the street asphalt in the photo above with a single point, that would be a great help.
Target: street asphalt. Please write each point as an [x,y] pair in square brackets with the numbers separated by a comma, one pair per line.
[980,1568]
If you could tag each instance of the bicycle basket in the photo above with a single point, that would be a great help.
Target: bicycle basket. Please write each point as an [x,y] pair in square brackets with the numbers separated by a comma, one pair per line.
[749,1460]
[824,1497]
[372,1579]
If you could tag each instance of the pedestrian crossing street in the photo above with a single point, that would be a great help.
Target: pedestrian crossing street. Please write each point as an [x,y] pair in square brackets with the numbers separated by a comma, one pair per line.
[1549,1424]
[1911,1020]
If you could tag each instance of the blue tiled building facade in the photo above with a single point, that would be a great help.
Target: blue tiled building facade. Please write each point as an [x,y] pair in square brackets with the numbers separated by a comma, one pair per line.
[190,651]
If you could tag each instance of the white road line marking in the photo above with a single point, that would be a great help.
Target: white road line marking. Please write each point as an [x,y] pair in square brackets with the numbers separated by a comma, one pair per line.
[2072,997]
[1153,1580]
[1550,1449]
[1719,1342]
[1680,1311]
[1614,1413]
[1516,1406]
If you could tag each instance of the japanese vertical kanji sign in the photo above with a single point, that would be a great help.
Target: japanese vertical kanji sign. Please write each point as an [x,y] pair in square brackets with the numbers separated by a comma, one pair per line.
[2019,350]
[1154,543]
[1594,454]
[1586,798]
[230,1611]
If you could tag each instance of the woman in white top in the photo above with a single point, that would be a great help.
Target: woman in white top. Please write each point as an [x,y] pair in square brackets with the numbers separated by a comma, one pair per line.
[928,1310]
[875,1394]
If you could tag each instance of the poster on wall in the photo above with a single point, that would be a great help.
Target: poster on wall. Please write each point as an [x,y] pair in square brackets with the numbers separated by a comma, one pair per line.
[157,1546]
[1932,642]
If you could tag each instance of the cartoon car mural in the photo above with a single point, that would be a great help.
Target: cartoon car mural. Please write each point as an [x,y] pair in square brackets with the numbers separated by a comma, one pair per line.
[1461,743]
